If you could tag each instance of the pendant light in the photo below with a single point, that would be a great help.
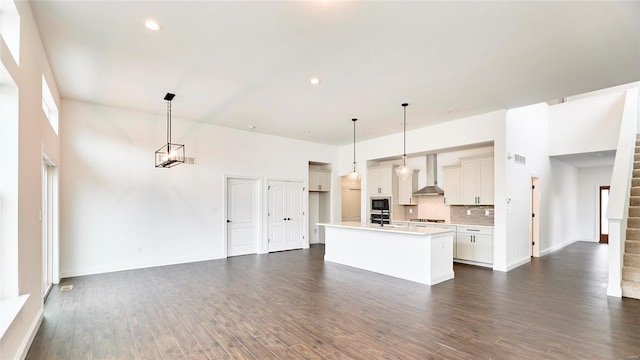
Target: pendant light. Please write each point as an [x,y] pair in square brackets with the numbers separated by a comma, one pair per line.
[169,155]
[404,171]
[354,176]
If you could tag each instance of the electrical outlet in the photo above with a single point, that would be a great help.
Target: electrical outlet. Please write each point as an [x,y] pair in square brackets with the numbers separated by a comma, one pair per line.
[468,212]
[486,213]
[410,211]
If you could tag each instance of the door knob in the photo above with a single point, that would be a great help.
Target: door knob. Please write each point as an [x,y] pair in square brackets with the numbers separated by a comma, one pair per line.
[228,221]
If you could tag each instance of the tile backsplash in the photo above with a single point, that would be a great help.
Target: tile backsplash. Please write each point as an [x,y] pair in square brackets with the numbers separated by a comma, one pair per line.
[472,214]
[429,207]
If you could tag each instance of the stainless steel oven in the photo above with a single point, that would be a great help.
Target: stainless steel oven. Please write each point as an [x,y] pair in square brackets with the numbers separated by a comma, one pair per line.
[380,209]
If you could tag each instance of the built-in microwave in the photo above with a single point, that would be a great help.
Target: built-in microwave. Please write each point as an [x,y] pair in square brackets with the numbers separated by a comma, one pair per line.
[380,204]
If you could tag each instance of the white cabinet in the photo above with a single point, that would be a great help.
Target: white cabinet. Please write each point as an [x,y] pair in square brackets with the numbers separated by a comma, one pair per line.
[350,204]
[453,185]
[453,229]
[381,180]
[474,244]
[406,188]
[319,180]
[477,181]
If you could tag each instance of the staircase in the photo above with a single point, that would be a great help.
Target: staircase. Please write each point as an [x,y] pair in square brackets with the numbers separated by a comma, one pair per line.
[631,262]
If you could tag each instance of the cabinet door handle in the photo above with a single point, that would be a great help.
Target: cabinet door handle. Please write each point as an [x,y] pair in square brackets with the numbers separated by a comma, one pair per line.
[410,202]
[445,200]
[473,230]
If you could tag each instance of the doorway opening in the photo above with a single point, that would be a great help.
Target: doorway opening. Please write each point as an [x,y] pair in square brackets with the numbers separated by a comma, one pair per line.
[243,216]
[49,219]
[535,218]
[604,222]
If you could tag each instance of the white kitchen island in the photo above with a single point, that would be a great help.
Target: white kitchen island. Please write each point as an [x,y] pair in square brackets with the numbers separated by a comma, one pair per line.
[423,255]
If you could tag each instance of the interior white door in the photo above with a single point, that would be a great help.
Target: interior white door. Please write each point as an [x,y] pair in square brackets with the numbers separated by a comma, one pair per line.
[277,220]
[242,217]
[295,195]
[286,217]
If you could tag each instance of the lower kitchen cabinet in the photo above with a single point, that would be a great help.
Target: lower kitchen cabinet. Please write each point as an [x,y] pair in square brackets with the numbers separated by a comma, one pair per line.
[474,244]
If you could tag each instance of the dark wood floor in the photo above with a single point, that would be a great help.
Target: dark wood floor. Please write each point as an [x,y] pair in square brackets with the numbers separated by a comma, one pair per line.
[292,305]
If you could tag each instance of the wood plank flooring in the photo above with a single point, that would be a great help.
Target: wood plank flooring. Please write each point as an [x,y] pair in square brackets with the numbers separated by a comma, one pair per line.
[292,305]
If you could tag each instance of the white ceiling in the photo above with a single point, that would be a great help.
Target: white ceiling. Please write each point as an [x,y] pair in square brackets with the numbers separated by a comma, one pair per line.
[238,64]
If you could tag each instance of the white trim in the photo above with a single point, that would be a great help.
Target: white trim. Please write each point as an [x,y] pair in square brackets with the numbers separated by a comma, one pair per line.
[557,247]
[490,266]
[513,265]
[10,310]
[23,350]
[123,267]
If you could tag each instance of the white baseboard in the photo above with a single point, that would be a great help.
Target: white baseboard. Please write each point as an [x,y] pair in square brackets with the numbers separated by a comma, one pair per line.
[524,260]
[556,247]
[615,291]
[125,267]
[31,334]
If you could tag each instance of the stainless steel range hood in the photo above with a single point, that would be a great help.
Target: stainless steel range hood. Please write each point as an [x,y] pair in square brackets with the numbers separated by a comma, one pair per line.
[432,178]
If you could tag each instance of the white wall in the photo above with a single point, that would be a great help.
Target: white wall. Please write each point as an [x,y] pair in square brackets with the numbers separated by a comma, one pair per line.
[35,136]
[527,135]
[589,182]
[561,202]
[585,125]
[114,201]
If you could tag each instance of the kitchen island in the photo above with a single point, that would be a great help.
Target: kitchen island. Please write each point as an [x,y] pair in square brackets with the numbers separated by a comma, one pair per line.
[423,255]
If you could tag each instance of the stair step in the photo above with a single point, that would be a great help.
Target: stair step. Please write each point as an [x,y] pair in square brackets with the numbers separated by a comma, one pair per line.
[635,191]
[636,173]
[633,234]
[634,201]
[636,157]
[631,289]
[631,260]
[633,222]
[631,274]
[636,164]
[632,246]
[634,211]
[635,182]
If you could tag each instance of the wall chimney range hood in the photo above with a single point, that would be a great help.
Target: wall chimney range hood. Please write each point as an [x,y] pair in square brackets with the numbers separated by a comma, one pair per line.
[432,178]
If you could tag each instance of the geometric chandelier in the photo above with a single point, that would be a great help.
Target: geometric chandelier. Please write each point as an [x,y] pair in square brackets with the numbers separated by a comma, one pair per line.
[170,154]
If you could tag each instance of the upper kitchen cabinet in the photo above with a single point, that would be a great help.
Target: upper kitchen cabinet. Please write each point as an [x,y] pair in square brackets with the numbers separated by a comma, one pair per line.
[319,180]
[477,180]
[381,180]
[406,188]
[453,185]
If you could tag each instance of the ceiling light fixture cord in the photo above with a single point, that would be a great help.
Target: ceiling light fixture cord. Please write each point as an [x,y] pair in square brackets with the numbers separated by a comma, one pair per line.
[169,123]
[404,150]
[354,141]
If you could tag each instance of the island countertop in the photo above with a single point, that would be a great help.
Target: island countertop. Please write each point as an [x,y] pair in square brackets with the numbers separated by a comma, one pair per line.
[409,230]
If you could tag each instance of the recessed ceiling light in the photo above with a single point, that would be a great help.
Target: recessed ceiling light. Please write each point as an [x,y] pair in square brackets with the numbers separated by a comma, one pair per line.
[252,127]
[152,25]
[314,81]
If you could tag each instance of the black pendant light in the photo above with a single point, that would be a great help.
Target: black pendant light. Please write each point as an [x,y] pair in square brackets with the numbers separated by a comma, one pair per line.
[404,171]
[354,176]
[169,155]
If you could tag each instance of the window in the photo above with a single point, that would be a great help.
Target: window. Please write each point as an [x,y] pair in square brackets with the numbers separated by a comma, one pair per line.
[49,105]
[10,27]
[10,300]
